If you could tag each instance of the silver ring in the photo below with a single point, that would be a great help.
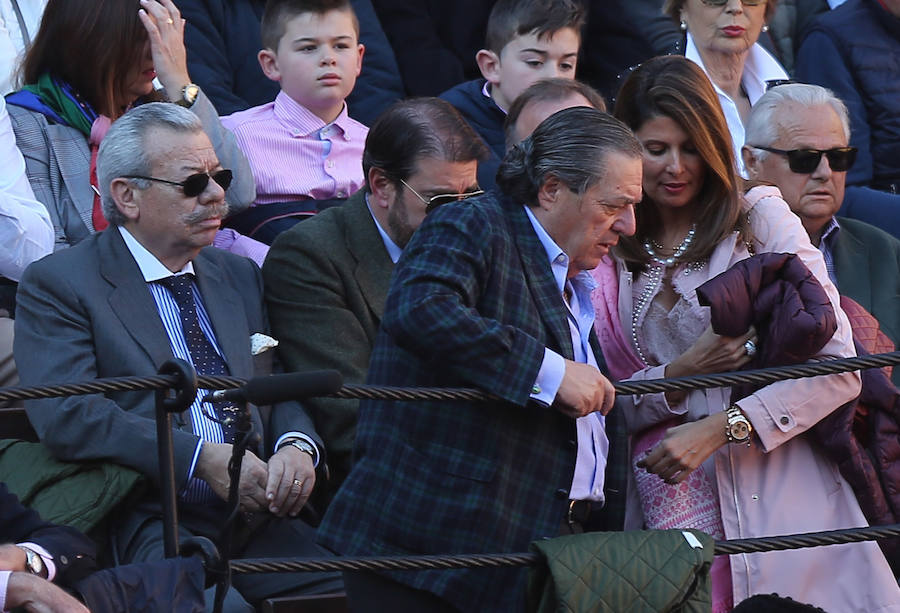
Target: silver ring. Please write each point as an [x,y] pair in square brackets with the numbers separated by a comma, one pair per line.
[298,482]
[170,21]
[750,348]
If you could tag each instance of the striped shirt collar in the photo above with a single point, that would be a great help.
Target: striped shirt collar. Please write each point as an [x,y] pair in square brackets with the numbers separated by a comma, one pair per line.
[151,268]
[299,120]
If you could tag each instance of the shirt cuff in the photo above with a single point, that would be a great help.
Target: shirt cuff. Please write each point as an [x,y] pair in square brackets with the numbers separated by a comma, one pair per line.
[549,377]
[290,436]
[4,580]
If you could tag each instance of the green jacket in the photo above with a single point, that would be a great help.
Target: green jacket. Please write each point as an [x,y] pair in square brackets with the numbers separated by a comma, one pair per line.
[867,268]
[77,494]
[646,570]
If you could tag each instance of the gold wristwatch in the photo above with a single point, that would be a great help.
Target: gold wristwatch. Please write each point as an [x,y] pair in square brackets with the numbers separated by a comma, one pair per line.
[738,429]
[188,95]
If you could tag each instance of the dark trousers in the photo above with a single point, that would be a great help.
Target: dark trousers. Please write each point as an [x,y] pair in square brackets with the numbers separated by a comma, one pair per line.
[140,539]
[368,592]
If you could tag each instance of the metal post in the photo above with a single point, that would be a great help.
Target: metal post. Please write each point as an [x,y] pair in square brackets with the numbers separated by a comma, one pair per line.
[166,404]
[244,437]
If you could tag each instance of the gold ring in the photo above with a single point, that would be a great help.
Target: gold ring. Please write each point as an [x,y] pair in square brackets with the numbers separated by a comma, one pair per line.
[170,21]
[298,482]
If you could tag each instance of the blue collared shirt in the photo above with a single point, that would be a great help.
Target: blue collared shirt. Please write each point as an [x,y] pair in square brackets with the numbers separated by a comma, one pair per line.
[593,444]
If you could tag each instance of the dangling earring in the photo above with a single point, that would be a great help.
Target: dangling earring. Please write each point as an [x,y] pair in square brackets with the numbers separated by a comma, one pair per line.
[683,26]
[765,27]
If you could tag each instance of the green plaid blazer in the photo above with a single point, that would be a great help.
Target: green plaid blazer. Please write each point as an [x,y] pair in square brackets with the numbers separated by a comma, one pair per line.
[472,303]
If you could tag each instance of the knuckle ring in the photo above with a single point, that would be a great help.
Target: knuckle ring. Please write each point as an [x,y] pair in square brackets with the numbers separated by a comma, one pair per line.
[750,348]
[170,21]
[298,482]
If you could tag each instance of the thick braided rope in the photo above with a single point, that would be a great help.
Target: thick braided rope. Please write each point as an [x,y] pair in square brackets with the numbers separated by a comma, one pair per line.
[435,562]
[761,377]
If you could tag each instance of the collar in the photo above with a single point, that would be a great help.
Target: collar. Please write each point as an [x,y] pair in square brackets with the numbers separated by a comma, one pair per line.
[486,90]
[830,233]
[559,261]
[151,268]
[393,250]
[300,121]
[759,67]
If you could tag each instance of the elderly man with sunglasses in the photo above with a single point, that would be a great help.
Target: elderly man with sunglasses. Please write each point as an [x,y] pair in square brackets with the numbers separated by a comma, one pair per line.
[148,289]
[797,138]
[326,279]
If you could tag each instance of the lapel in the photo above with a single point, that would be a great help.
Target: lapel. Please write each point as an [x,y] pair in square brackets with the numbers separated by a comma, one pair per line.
[130,299]
[373,264]
[226,314]
[850,259]
[539,276]
[73,156]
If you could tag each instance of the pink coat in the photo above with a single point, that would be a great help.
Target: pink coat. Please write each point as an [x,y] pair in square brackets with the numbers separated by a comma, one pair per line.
[782,484]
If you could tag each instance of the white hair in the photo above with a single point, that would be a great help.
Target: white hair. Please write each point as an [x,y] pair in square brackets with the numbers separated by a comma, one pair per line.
[763,124]
[123,151]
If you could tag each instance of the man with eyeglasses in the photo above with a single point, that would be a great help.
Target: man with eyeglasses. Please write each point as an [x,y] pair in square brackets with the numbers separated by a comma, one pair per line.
[146,290]
[326,279]
[797,138]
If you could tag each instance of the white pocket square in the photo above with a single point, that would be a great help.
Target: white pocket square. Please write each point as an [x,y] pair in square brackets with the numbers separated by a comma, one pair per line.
[260,343]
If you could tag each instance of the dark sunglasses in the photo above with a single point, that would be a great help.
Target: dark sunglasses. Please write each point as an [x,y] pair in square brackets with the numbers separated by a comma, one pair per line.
[805,161]
[724,2]
[436,201]
[194,184]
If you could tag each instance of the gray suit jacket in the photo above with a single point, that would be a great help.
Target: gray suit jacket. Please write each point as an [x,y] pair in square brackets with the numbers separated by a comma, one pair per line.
[326,282]
[58,163]
[86,312]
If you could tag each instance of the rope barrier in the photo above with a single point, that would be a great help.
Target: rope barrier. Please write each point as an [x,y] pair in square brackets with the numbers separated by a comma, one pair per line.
[753,545]
[445,562]
[760,376]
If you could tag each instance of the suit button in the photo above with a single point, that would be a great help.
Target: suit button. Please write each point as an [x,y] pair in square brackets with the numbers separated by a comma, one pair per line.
[64,560]
[573,444]
[561,494]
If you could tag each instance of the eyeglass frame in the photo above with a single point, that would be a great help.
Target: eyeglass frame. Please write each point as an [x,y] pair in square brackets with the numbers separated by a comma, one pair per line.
[209,176]
[828,153]
[430,204]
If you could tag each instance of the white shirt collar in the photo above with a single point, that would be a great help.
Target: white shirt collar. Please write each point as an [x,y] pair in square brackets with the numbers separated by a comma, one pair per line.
[759,67]
[151,268]
[393,250]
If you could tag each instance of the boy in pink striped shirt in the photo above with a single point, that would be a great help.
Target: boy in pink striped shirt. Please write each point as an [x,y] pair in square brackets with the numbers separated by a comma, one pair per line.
[303,146]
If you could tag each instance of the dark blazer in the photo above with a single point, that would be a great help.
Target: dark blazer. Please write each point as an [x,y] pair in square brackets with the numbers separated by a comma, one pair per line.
[73,553]
[867,267]
[223,37]
[326,281]
[472,303]
[86,312]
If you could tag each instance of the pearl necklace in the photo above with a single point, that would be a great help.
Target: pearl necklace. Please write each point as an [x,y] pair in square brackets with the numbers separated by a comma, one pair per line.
[654,279]
[679,250]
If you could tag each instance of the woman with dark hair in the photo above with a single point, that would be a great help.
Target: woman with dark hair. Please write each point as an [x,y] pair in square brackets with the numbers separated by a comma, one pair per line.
[734,469]
[90,62]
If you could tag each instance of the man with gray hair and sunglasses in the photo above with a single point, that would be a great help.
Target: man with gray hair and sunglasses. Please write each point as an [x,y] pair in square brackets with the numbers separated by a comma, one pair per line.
[797,138]
[147,290]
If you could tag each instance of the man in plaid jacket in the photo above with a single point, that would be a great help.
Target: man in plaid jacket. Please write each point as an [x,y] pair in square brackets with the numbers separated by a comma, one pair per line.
[492,293]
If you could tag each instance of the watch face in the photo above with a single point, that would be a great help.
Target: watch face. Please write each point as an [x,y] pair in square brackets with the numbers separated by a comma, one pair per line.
[740,431]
